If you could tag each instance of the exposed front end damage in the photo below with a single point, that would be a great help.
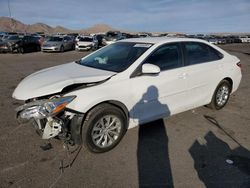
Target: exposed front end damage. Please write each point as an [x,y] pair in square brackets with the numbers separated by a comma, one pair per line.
[44,93]
[52,119]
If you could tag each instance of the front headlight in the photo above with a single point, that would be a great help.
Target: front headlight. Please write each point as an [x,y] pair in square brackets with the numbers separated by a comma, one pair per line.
[55,45]
[43,108]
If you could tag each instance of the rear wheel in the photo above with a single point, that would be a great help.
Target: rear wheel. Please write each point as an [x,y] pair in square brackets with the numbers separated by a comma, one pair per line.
[103,128]
[221,95]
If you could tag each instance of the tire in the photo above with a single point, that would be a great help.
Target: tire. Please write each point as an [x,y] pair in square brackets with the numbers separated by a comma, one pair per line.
[94,48]
[11,49]
[98,135]
[221,95]
[62,49]
[21,50]
[38,48]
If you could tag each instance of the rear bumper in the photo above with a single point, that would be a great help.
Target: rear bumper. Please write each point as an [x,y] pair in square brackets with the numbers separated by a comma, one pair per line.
[236,82]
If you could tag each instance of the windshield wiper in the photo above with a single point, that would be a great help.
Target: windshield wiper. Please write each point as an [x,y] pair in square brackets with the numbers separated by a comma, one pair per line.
[78,61]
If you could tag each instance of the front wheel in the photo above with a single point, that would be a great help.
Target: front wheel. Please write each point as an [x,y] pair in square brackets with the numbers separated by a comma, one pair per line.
[21,50]
[62,49]
[221,95]
[103,128]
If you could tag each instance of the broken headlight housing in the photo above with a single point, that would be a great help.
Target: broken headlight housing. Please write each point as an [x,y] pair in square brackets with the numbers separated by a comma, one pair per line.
[41,109]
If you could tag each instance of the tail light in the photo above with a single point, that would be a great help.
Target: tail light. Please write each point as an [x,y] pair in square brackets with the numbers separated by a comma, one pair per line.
[239,64]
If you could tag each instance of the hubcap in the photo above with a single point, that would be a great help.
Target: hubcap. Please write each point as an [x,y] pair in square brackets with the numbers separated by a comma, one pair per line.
[222,95]
[106,131]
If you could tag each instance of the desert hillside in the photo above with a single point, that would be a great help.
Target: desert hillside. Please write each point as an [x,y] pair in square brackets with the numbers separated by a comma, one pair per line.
[10,24]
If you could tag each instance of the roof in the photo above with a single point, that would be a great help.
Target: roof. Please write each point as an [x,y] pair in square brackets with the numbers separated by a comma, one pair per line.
[155,40]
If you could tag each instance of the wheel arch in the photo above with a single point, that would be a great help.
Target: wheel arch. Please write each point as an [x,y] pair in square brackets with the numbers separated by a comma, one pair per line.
[115,103]
[230,81]
[227,79]
[77,122]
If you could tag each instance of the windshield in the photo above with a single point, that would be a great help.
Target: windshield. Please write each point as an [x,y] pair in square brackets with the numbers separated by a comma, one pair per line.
[55,39]
[116,57]
[86,39]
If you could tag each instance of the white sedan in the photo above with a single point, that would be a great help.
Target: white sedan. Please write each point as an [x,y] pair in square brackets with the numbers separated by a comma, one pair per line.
[97,98]
[86,43]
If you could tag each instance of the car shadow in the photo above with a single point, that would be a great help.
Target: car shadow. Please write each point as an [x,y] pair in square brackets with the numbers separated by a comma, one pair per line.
[217,164]
[154,169]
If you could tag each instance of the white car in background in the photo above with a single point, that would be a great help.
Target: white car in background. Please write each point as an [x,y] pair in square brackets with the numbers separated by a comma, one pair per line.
[245,39]
[134,81]
[86,43]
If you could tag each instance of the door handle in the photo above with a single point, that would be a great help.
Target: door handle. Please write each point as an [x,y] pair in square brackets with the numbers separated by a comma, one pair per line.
[182,76]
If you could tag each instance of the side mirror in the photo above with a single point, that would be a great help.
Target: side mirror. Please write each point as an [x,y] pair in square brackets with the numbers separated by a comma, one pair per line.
[150,69]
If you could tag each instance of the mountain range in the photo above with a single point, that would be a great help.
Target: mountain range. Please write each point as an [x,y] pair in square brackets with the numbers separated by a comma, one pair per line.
[11,25]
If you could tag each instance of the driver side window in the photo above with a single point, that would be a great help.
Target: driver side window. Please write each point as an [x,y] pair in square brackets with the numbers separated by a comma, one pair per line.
[166,57]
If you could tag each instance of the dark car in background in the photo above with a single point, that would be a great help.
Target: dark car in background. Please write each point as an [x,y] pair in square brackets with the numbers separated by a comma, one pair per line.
[99,38]
[26,44]
[111,37]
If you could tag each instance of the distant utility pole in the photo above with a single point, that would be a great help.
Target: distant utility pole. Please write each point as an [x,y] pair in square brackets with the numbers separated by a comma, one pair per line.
[11,21]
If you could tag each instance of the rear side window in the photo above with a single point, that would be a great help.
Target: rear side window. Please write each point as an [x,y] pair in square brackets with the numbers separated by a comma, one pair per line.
[200,53]
[166,57]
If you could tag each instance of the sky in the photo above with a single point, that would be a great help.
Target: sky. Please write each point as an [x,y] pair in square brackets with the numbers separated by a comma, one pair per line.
[189,16]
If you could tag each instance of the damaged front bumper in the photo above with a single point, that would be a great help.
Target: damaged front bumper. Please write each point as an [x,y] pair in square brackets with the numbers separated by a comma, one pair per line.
[51,119]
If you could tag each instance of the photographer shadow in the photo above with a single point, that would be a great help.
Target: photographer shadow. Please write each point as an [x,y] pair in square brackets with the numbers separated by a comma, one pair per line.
[154,169]
[217,164]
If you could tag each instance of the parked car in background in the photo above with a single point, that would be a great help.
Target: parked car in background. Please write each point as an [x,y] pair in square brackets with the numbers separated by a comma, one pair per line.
[221,40]
[245,39]
[3,46]
[111,37]
[58,44]
[5,37]
[86,43]
[228,39]
[236,39]
[12,38]
[143,35]
[134,81]
[99,38]
[7,42]
[212,40]
[2,34]
[77,38]
[26,44]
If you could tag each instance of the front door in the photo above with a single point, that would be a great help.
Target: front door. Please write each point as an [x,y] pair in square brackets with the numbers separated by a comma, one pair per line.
[164,94]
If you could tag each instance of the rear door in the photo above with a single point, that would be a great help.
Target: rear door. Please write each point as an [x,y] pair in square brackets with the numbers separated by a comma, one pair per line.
[203,68]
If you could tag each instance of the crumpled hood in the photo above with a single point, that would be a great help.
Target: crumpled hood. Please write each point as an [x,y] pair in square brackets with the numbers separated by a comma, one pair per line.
[54,79]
